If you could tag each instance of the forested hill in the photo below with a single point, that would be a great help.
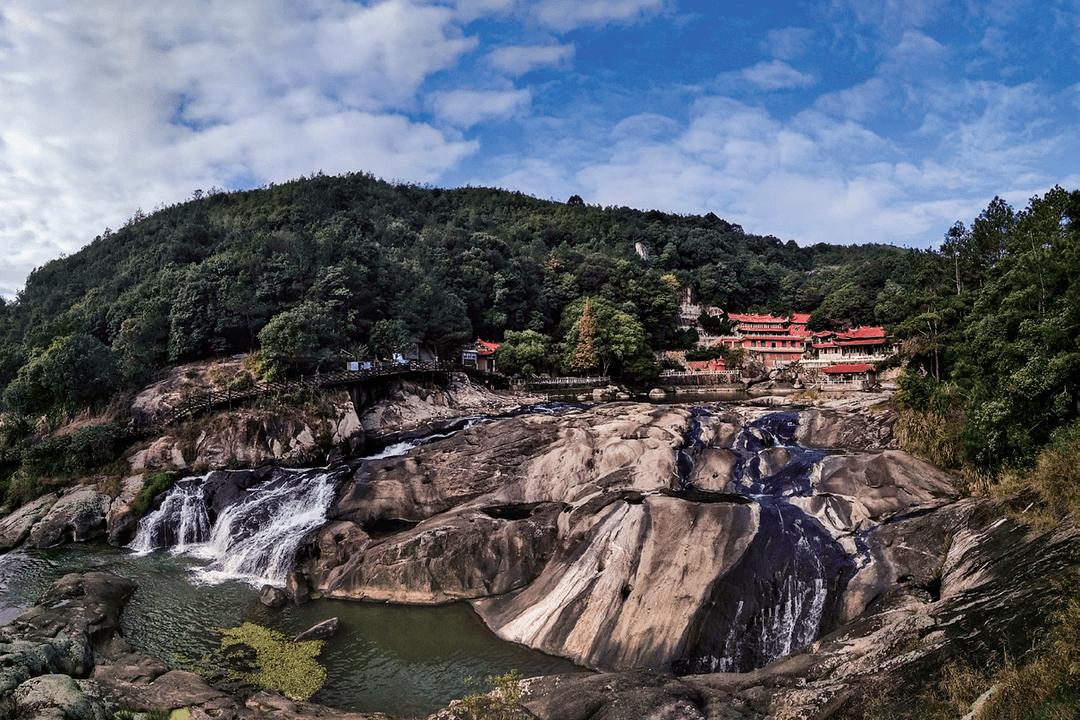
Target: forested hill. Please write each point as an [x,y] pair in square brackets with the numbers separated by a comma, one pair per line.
[323,260]
[319,270]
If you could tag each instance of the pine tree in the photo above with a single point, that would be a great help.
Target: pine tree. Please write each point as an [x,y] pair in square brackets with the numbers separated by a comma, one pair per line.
[585,356]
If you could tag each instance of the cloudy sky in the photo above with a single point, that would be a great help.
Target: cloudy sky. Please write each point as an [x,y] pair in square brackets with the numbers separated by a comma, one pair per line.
[836,121]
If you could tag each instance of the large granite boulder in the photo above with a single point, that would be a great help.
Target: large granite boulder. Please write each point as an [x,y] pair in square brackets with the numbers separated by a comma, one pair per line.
[15,528]
[471,553]
[80,514]
[988,593]
[650,536]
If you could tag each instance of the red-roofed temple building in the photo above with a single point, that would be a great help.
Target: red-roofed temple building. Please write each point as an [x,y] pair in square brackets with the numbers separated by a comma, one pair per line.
[781,341]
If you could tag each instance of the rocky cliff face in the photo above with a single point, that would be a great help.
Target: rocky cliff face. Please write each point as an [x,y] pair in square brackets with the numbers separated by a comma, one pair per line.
[632,535]
[759,563]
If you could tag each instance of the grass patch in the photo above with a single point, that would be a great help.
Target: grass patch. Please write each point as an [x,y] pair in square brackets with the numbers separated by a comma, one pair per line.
[1047,685]
[497,698]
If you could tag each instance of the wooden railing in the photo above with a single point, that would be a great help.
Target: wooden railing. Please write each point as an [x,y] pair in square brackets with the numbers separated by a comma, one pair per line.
[204,401]
[701,377]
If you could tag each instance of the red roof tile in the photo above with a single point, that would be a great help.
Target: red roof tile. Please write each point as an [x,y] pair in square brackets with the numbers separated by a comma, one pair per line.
[855,368]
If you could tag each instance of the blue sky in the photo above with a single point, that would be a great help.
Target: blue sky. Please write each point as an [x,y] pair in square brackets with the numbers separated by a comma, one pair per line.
[841,121]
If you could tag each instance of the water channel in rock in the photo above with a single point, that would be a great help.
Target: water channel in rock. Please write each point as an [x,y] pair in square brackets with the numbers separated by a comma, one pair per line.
[199,563]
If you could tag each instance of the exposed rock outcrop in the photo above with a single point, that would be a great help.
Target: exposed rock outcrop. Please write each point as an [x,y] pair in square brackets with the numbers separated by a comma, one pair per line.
[992,586]
[605,553]
[632,536]
[79,515]
[15,528]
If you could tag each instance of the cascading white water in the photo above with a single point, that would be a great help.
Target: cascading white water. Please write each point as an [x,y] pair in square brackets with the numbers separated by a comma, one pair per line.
[253,540]
[789,570]
[181,520]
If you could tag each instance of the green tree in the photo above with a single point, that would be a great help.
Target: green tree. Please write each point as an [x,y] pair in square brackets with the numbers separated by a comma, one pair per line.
[1019,362]
[523,353]
[437,316]
[75,372]
[598,334]
[390,336]
[302,337]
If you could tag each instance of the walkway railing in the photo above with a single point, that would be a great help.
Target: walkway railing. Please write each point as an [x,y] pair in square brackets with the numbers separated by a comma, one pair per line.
[562,382]
[204,401]
[702,377]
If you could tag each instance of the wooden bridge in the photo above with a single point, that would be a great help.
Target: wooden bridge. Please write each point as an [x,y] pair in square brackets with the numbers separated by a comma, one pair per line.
[360,383]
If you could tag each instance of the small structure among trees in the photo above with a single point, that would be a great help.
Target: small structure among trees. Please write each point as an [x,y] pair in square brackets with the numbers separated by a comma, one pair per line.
[480,354]
[860,375]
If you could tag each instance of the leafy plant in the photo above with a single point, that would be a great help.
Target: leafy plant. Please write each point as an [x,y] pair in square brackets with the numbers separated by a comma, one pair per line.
[498,698]
[154,484]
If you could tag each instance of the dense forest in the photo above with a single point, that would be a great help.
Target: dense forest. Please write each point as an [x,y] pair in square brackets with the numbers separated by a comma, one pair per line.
[324,269]
[315,269]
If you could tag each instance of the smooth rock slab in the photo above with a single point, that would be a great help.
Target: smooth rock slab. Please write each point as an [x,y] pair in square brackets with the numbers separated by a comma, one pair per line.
[15,528]
[625,593]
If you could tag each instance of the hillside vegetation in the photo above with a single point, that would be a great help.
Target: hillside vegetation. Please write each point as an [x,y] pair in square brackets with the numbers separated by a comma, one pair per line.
[319,266]
[314,272]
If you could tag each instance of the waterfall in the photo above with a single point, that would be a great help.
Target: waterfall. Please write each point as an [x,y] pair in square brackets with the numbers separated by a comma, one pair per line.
[181,521]
[253,540]
[774,601]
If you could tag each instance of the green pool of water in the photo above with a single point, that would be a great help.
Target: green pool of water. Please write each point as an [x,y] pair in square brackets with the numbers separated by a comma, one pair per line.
[408,661]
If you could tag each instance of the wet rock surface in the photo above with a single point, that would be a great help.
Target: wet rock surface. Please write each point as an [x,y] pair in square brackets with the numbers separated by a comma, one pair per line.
[65,658]
[758,561]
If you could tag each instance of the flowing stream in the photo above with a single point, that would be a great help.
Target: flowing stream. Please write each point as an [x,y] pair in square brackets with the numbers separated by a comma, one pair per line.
[200,557]
[780,594]
[253,539]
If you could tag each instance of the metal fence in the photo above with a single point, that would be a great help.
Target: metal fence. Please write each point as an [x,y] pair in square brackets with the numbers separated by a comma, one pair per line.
[561,382]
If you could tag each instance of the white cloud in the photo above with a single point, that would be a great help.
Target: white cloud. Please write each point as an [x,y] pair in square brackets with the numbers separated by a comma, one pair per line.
[812,177]
[111,107]
[916,49]
[896,15]
[859,102]
[563,15]
[516,60]
[772,75]
[788,43]
[465,108]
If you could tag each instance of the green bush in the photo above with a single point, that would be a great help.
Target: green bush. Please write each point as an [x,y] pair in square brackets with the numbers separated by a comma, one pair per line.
[498,699]
[19,489]
[82,452]
[154,484]
[242,382]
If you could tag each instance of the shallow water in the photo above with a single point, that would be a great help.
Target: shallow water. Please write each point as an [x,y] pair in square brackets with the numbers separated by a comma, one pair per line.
[409,661]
